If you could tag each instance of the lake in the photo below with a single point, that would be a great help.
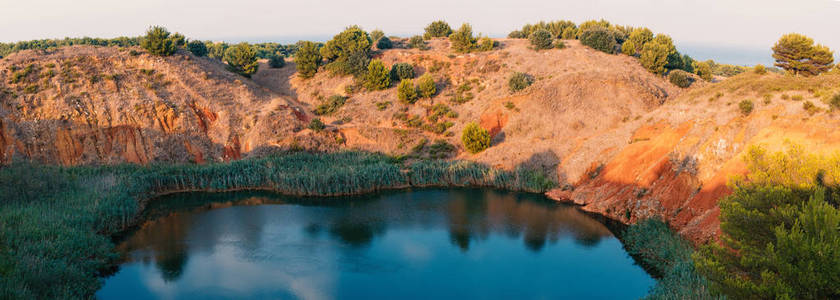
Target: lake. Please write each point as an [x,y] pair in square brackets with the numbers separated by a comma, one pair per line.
[409,244]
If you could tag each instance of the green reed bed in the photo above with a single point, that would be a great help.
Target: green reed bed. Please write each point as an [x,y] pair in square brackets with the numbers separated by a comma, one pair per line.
[56,222]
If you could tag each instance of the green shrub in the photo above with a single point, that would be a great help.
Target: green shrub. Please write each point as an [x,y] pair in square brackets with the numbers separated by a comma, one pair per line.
[417,42]
[216,50]
[437,29]
[158,42]
[569,33]
[406,91]
[541,39]
[746,107]
[378,77]
[276,61]
[599,38]
[376,34]
[348,53]
[485,44]
[654,57]
[400,71]
[242,59]
[628,48]
[462,41]
[475,138]
[197,48]
[834,102]
[384,43]
[759,69]
[307,59]
[704,70]
[332,105]
[426,85]
[680,78]
[316,125]
[638,38]
[559,44]
[519,81]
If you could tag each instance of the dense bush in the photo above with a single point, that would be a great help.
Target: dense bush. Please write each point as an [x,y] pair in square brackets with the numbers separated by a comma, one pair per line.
[348,53]
[400,71]
[519,81]
[759,69]
[197,48]
[417,42]
[799,55]
[406,91]
[704,70]
[541,39]
[629,48]
[159,42]
[555,29]
[426,85]
[680,78]
[485,44]
[475,138]
[378,77]
[330,106]
[307,59]
[746,107]
[216,50]
[638,38]
[276,61]
[462,41]
[376,34]
[654,57]
[437,29]
[598,38]
[242,59]
[356,64]
[569,33]
[316,125]
[384,43]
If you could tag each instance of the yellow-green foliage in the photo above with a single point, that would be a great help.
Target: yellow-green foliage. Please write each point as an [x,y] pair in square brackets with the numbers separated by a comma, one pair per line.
[795,167]
[307,59]
[406,91]
[462,40]
[475,138]
[654,56]
[426,85]
[159,42]
[378,76]
[798,54]
[437,29]
[242,59]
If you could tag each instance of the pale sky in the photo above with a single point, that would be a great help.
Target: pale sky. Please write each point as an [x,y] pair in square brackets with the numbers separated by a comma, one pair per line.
[734,31]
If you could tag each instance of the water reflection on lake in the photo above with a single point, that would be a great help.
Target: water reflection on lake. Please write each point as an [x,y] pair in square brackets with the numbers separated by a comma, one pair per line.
[453,243]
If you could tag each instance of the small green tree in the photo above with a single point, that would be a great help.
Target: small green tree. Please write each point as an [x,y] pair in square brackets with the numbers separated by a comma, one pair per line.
[654,57]
[242,59]
[378,77]
[519,81]
[427,86]
[798,54]
[475,138]
[639,37]
[704,70]
[384,43]
[307,59]
[485,44]
[198,48]
[541,39]
[376,34]
[158,42]
[569,33]
[400,71]
[348,53]
[417,42]
[598,38]
[216,50]
[437,29]
[406,91]
[462,41]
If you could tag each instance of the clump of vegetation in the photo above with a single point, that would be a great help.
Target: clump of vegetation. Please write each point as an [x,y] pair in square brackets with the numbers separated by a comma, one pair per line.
[417,42]
[599,38]
[380,106]
[759,69]
[384,43]
[485,44]
[680,78]
[378,77]
[197,48]
[779,229]
[437,29]
[242,59]
[810,107]
[462,41]
[347,53]
[834,102]
[519,81]
[555,28]
[330,106]
[746,107]
[159,42]
[316,125]
[475,138]
[307,59]
[541,39]
[441,149]
[426,86]
[559,44]
[798,54]
[401,71]
[276,61]
[376,34]
[654,56]
[704,70]
[406,91]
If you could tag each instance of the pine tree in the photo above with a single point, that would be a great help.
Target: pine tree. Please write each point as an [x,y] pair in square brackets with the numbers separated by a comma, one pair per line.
[242,59]
[378,77]
[307,59]
[798,54]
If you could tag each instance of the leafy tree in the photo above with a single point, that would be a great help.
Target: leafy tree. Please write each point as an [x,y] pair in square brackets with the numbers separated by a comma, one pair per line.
[437,29]
[276,61]
[406,91]
[158,42]
[629,48]
[216,50]
[798,54]
[355,64]
[519,81]
[704,70]
[178,40]
[242,59]
[197,48]
[378,77]
[654,57]
[688,63]
[598,38]
[417,42]
[376,34]
[569,33]
[400,71]
[384,43]
[475,138]
[462,41]
[307,59]
[541,39]
[427,86]
[591,24]
[639,37]
[680,78]
[780,230]
[347,53]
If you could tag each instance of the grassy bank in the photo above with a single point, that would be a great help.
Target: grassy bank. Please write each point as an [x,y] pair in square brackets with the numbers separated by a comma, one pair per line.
[56,222]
